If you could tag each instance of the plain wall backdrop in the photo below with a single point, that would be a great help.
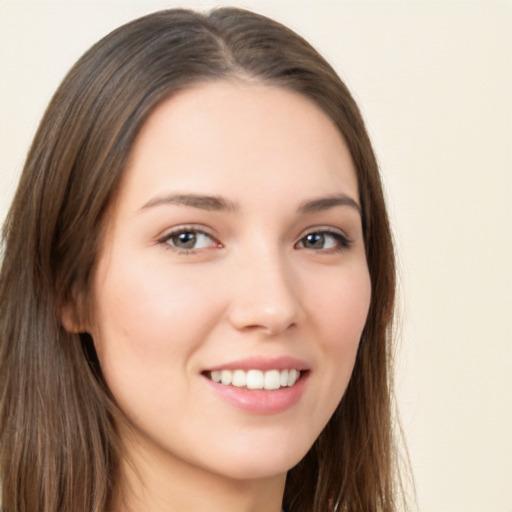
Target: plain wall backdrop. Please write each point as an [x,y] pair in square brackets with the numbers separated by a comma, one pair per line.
[434,81]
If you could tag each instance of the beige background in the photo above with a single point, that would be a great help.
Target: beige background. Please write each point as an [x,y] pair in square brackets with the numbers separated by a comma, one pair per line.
[434,80]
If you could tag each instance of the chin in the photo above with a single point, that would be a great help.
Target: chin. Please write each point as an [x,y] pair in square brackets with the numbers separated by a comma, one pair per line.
[266,463]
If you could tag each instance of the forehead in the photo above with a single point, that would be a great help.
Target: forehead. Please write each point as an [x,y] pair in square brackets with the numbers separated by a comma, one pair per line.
[239,136]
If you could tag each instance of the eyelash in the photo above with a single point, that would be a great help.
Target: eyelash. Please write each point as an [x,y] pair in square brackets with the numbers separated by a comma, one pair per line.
[342,242]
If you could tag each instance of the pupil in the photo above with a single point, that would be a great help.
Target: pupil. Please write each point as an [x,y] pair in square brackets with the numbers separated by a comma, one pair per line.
[315,240]
[185,240]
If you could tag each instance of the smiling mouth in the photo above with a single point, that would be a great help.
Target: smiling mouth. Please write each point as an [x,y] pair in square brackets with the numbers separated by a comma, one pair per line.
[269,380]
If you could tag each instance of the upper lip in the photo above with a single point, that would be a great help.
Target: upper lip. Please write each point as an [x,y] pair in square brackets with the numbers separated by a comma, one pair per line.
[263,364]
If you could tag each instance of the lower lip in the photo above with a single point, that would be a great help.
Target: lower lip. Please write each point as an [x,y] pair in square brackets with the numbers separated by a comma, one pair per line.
[261,401]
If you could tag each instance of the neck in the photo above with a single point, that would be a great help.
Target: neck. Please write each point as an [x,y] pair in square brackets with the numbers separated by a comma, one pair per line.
[148,481]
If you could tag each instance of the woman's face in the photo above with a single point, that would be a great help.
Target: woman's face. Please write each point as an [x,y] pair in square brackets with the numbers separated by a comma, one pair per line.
[234,251]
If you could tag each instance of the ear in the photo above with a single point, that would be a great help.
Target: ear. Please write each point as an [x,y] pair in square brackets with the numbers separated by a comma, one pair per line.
[71,317]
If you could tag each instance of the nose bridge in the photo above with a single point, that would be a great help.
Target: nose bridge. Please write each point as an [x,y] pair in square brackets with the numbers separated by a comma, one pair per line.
[264,293]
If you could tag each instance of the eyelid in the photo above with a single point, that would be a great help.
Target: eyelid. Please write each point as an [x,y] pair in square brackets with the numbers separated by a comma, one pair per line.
[324,229]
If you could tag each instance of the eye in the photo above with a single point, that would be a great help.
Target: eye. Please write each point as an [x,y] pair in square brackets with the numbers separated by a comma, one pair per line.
[324,240]
[189,240]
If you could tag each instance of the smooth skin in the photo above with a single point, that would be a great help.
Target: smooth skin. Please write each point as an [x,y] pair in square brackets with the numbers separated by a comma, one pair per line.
[218,249]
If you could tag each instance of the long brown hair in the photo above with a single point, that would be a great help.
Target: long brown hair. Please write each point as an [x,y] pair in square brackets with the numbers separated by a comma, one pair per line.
[59,450]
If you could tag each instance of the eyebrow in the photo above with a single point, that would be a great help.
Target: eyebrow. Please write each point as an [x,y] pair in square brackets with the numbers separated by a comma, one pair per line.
[324,203]
[203,202]
[217,203]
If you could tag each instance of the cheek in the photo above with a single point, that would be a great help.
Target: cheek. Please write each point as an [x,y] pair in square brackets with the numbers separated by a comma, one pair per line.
[341,314]
[149,318]
[343,308]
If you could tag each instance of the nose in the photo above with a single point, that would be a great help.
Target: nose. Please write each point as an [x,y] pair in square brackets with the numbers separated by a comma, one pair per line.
[264,295]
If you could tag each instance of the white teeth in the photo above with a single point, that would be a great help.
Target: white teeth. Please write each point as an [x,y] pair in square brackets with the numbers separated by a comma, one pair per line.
[239,379]
[256,379]
[272,379]
[226,377]
[293,375]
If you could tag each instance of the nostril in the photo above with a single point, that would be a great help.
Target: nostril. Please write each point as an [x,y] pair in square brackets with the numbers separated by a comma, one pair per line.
[271,328]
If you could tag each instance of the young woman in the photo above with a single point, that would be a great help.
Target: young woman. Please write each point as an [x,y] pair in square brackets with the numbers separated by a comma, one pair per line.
[198,283]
